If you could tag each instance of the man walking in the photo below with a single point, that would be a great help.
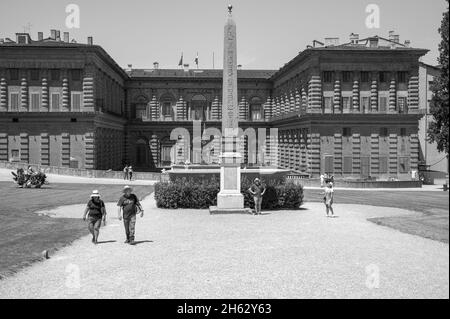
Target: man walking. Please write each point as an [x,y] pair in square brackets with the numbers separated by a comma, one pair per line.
[128,205]
[97,213]
[257,190]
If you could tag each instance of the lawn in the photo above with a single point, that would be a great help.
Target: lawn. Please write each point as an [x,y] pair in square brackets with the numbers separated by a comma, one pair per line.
[434,206]
[24,235]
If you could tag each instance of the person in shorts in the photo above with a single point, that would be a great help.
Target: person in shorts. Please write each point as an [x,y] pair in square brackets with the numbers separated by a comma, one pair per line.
[97,213]
[328,199]
[257,190]
[128,206]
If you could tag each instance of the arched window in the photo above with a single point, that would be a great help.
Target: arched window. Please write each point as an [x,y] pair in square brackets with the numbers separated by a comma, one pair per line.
[140,107]
[199,108]
[167,103]
[256,109]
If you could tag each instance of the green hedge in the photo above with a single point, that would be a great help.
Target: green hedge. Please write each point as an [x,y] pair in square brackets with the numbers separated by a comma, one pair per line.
[187,193]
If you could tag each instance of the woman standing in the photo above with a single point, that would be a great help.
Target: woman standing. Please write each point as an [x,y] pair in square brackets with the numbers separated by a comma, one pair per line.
[257,190]
[328,199]
[97,213]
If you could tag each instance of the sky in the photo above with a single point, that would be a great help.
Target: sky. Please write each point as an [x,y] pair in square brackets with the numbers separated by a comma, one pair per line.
[270,33]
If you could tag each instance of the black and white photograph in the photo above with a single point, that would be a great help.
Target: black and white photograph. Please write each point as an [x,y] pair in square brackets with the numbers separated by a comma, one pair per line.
[224,154]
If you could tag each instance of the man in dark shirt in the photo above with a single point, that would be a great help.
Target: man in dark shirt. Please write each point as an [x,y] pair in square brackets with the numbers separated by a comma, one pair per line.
[128,205]
[97,213]
[257,190]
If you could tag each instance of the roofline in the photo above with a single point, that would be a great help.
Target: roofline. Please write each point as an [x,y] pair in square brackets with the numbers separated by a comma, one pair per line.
[436,67]
[305,53]
[58,45]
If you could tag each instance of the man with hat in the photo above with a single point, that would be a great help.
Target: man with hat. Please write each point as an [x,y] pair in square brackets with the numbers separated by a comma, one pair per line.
[97,213]
[128,205]
[257,190]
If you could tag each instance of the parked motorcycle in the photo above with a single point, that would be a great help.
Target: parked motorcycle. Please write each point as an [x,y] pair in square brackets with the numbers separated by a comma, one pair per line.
[26,180]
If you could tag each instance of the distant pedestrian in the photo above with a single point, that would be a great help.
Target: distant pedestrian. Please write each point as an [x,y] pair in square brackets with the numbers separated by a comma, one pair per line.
[128,208]
[97,213]
[125,173]
[322,180]
[258,191]
[328,199]
[130,172]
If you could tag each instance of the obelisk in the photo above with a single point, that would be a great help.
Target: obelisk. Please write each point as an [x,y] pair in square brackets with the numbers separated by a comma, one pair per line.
[230,199]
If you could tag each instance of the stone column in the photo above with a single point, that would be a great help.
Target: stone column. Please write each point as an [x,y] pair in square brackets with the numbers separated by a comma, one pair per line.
[291,150]
[24,148]
[44,102]
[297,154]
[374,96]
[292,103]
[413,95]
[375,154]
[303,151]
[414,150]
[393,151]
[315,94]
[4,152]
[304,101]
[3,95]
[215,109]
[154,109]
[298,101]
[337,97]
[268,109]
[180,110]
[338,153]
[355,96]
[230,199]
[45,149]
[89,90]
[243,109]
[89,154]
[65,94]
[314,154]
[392,96]
[65,149]
[356,149]
[277,107]
[24,95]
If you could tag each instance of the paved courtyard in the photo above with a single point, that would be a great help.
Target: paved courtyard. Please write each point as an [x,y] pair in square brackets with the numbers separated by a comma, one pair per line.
[288,254]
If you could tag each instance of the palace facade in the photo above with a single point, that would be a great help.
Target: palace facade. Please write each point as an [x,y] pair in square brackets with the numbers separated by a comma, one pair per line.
[349,109]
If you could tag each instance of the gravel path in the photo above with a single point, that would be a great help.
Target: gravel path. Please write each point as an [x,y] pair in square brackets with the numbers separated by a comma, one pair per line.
[289,254]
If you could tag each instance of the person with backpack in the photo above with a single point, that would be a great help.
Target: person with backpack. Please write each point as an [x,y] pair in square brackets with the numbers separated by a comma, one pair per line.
[97,213]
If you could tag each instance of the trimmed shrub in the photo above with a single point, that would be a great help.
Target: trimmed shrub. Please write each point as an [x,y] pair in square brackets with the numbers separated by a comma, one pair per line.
[190,193]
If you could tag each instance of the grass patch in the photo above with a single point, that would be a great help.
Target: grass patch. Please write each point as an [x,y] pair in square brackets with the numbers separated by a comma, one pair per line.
[434,207]
[24,234]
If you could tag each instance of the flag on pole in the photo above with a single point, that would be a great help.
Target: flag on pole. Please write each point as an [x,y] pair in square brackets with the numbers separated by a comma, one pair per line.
[196,60]
[181,60]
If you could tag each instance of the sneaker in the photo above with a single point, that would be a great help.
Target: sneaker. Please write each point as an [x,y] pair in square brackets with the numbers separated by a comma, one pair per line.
[132,242]
[126,241]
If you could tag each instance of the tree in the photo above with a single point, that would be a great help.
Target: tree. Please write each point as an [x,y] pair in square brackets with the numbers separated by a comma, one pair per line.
[439,108]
